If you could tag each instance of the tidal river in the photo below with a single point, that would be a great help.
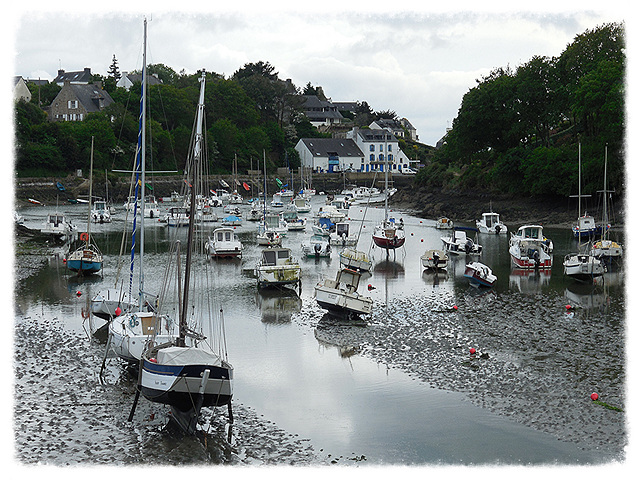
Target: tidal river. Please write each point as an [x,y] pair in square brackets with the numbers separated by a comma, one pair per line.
[399,387]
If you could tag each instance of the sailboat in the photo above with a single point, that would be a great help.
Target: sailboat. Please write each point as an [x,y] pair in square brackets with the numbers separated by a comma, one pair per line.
[585,226]
[388,234]
[130,331]
[605,248]
[582,266]
[186,373]
[87,258]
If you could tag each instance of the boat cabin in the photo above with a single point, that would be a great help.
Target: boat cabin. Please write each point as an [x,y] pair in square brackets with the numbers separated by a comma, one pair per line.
[491,219]
[533,232]
[276,256]
[349,278]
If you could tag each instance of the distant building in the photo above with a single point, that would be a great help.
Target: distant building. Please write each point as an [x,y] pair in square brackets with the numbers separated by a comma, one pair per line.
[20,89]
[128,79]
[75,101]
[380,147]
[82,77]
[329,154]
[400,128]
[320,112]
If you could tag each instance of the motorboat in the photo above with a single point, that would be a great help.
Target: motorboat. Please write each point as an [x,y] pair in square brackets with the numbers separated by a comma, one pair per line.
[342,237]
[57,226]
[224,243]
[490,223]
[100,213]
[277,267]
[443,223]
[355,260]
[586,227]
[459,244]
[176,217]
[341,296]
[583,267]
[530,249]
[479,274]
[302,203]
[151,208]
[317,247]
[291,219]
[434,259]
[332,213]
[232,221]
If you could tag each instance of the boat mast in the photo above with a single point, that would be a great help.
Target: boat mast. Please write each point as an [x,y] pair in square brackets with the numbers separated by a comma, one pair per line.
[90,193]
[143,134]
[386,179]
[195,164]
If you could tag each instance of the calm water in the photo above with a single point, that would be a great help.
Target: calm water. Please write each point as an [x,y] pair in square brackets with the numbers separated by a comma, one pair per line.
[343,403]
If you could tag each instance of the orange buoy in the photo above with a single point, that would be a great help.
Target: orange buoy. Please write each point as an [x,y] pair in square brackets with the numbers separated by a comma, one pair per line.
[84,236]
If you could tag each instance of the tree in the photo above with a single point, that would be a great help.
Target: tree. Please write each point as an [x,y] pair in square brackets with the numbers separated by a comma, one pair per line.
[114,71]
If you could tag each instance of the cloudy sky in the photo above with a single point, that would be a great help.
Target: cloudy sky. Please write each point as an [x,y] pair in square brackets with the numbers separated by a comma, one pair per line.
[417,61]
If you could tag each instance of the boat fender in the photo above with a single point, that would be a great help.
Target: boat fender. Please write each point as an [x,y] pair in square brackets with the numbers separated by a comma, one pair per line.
[84,236]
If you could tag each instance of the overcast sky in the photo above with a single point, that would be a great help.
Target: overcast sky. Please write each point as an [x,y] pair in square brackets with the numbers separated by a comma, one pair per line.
[417,62]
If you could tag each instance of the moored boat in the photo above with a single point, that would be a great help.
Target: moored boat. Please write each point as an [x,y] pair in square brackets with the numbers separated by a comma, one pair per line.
[341,296]
[490,223]
[435,259]
[479,274]
[224,243]
[277,267]
[459,244]
[530,249]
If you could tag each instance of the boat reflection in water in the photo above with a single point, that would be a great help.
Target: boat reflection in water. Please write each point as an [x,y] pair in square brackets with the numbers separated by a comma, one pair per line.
[529,281]
[277,305]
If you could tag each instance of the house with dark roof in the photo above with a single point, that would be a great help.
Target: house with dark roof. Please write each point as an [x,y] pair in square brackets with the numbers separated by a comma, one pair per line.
[320,112]
[75,101]
[80,77]
[400,128]
[329,154]
[128,79]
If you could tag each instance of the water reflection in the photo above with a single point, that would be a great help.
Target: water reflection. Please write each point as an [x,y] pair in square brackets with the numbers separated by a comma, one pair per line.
[277,305]
[529,281]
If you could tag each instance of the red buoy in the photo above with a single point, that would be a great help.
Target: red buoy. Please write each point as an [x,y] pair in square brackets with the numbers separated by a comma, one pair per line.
[472,351]
[118,311]
[568,307]
[455,307]
[78,293]
[594,396]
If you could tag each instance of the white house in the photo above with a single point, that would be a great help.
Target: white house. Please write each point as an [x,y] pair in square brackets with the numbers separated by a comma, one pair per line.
[379,147]
[20,89]
[128,79]
[329,154]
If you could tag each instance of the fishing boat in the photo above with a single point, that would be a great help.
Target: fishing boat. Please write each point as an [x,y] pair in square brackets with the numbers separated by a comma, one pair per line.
[444,223]
[490,223]
[459,244]
[605,248]
[57,226]
[341,296]
[189,373]
[276,201]
[355,260]
[434,259]
[224,243]
[479,274]
[277,267]
[268,238]
[316,247]
[100,213]
[132,328]
[87,258]
[323,227]
[342,236]
[332,213]
[530,249]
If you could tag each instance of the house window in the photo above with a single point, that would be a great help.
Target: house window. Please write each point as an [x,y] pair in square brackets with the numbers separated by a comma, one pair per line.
[372,157]
[390,158]
[72,104]
[381,148]
[372,148]
[389,148]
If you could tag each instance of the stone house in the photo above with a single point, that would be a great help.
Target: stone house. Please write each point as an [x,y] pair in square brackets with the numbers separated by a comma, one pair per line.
[79,77]
[75,101]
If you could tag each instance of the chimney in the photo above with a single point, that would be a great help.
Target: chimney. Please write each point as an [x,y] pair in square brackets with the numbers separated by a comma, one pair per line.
[87,70]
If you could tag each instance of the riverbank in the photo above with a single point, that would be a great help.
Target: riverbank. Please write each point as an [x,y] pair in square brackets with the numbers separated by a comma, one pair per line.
[419,201]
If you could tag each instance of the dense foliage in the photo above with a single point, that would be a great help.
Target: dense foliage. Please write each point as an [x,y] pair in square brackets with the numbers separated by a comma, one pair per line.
[518,129]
